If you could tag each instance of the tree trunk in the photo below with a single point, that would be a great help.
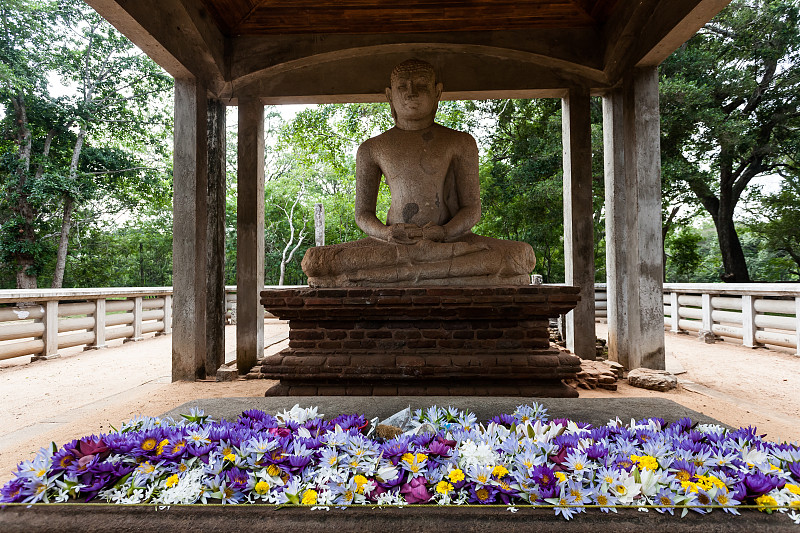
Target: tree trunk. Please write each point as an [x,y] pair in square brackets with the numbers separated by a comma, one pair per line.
[66,222]
[63,241]
[25,234]
[733,260]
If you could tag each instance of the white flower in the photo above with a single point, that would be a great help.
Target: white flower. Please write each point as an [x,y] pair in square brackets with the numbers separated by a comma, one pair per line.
[298,414]
[625,488]
[477,454]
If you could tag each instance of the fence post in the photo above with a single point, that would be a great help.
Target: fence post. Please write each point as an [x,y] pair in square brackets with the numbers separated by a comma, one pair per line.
[99,325]
[748,321]
[675,315]
[797,325]
[707,332]
[167,316]
[50,335]
[137,320]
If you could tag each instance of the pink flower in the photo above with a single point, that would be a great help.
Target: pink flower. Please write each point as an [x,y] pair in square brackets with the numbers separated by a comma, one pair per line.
[415,490]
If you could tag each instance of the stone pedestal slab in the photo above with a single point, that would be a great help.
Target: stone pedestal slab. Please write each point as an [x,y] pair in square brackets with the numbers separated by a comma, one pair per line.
[421,341]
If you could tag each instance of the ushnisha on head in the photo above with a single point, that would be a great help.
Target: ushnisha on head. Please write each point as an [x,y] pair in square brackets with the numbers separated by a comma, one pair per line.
[413,94]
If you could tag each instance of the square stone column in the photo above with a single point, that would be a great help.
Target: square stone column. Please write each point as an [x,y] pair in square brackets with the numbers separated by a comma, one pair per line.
[189,265]
[633,221]
[250,234]
[578,230]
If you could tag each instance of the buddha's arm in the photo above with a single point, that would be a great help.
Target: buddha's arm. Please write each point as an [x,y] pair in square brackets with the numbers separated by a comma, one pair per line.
[368,180]
[467,182]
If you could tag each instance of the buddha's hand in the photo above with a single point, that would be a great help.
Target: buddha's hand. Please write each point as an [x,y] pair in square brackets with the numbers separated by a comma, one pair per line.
[405,233]
[432,232]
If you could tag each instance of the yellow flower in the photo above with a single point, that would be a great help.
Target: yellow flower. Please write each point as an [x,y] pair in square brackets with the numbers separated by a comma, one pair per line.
[645,462]
[443,487]
[149,444]
[161,446]
[172,480]
[456,475]
[562,477]
[262,487]
[499,471]
[791,487]
[309,497]
[408,458]
[360,482]
[766,503]
[421,457]
[273,470]
[230,457]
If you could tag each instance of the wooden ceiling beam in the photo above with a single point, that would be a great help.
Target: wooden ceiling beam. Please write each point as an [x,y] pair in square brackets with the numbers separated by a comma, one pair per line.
[645,33]
[179,35]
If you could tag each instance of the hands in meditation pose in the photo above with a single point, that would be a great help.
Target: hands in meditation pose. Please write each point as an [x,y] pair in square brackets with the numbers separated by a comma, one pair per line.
[432,174]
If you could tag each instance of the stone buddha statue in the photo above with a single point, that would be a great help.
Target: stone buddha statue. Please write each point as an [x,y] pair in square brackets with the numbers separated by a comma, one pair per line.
[432,175]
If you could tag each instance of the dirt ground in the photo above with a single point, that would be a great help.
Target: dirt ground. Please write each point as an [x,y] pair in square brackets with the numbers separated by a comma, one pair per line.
[85,393]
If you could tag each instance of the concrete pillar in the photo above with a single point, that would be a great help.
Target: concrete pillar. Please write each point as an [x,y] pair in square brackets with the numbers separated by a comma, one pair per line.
[189,263]
[99,325]
[250,234]
[578,230]
[215,303]
[137,321]
[633,222]
[623,305]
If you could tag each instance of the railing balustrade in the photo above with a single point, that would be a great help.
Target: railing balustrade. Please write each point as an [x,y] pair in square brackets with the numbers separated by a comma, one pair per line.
[40,322]
[758,314]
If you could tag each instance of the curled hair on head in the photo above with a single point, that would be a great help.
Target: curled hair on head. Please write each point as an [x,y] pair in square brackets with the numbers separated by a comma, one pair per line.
[412,65]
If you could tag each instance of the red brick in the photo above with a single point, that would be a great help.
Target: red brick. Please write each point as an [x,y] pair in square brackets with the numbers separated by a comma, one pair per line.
[369,324]
[455,324]
[489,333]
[331,293]
[376,360]
[508,344]
[303,324]
[434,334]
[273,360]
[329,345]
[534,343]
[359,292]
[302,344]
[438,360]
[421,344]
[425,300]
[335,334]
[355,334]
[450,344]
[406,334]
[294,302]
[306,334]
[463,361]
[322,301]
[390,345]
[356,301]
[467,334]
[337,360]
[410,360]
[487,361]
[379,334]
[332,390]
[384,390]
[302,390]
[358,390]
[363,344]
[273,302]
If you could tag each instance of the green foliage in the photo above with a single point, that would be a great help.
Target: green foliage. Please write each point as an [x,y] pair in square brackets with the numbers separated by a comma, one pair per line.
[730,111]
[683,255]
[777,221]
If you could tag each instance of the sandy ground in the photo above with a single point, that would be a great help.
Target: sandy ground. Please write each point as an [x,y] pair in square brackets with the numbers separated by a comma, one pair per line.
[83,393]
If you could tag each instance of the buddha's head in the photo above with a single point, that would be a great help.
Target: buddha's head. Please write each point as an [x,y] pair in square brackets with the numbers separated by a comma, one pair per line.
[413,93]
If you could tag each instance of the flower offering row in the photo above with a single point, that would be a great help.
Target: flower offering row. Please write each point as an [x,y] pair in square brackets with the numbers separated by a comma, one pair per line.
[446,458]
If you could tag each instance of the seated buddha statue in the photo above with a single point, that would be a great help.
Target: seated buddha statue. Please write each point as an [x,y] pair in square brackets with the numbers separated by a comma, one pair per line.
[432,175]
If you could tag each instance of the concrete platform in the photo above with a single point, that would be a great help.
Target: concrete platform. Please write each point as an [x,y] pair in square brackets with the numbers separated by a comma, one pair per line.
[597,411]
[90,518]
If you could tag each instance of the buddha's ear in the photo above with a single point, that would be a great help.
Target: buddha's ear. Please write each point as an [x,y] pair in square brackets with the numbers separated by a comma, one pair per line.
[439,88]
[389,94]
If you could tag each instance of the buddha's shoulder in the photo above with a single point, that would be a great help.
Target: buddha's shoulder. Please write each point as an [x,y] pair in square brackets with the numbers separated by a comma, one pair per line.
[454,136]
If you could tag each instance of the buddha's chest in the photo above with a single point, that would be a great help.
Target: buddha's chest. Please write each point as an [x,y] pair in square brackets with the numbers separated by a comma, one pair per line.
[415,159]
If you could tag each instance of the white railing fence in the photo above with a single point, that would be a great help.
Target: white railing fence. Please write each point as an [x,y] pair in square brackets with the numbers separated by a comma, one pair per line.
[757,314]
[42,321]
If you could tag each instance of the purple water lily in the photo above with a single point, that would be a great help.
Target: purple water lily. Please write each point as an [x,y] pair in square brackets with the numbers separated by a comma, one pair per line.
[415,490]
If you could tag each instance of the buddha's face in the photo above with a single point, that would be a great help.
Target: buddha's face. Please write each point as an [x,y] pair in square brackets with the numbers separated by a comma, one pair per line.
[414,94]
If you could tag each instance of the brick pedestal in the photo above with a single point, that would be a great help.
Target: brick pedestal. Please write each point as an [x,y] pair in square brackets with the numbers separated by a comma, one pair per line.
[421,341]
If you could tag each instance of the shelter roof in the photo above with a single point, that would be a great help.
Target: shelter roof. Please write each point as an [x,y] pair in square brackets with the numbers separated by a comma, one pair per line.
[318,51]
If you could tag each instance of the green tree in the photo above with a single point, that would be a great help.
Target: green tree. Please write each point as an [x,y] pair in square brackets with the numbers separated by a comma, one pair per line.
[777,220]
[730,108]
[96,151]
